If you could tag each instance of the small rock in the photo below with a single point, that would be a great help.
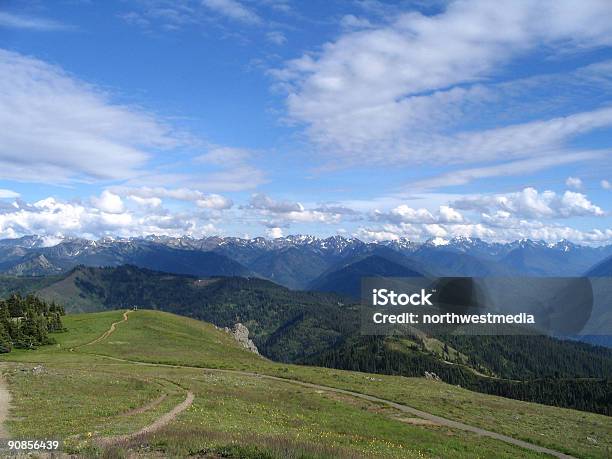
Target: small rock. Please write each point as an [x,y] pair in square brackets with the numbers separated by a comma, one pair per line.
[39,370]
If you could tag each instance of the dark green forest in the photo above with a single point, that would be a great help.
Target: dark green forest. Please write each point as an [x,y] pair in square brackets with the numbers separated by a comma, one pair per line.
[26,322]
[583,385]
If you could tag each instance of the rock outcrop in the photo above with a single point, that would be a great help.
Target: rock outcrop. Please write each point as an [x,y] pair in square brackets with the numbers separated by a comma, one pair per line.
[241,334]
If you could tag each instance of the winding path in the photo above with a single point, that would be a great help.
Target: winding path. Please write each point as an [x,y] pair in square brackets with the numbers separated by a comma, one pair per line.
[160,422]
[110,331]
[401,407]
[168,417]
[106,334]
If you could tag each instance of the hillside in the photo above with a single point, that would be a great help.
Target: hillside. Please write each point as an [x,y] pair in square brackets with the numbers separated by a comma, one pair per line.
[190,389]
[322,329]
[267,309]
[25,284]
[347,280]
[602,269]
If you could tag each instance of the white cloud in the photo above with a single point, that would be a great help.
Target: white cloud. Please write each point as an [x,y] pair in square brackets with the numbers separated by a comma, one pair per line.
[31,23]
[350,21]
[52,217]
[58,129]
[605,184]
[109,202]
[234,169]
[406,214]
[520,167]
[275,232]
[420,232]
[181,194]
[519,229]
[530,203]
[368,234]
[152,196]
[233,10]
[573,182]
[4,194]
[284,212]
[450,215]
[577,204]
[214,201]
[276,37]
[225,155]
[360,96]
[151,202]
[264,202]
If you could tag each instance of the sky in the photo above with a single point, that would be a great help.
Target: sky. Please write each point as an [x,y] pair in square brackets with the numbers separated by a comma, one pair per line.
[362,118]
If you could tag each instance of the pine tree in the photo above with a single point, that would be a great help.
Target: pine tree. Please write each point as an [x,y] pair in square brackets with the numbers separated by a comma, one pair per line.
[5,340]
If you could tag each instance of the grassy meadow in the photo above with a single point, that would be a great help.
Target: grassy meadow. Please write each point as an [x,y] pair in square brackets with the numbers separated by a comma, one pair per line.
[81,392]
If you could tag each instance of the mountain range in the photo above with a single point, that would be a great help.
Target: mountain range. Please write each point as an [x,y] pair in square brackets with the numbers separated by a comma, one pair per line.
[302,262]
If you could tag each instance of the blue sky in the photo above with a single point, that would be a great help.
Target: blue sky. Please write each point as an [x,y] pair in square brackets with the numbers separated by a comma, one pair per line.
[363,118]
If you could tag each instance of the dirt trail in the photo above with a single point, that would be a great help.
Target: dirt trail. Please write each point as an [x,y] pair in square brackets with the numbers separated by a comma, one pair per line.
[403,408]
[155,426]
[5,403]
[106,334]
[148,406]
[110,331]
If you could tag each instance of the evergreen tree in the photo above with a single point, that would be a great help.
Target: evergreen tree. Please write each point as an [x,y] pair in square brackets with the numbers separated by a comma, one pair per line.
[5,340]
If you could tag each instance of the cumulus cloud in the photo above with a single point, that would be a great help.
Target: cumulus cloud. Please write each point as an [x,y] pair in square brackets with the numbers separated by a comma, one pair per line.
[530,203]
[528,213]
[421,232]
[56,128]
[214,201]
[106,215]
[153,196]
[274,233]
[605,184]
[519,229]
[284,212]
[109,202]
[151,202]
[406,214]
[264,202]
[573,182]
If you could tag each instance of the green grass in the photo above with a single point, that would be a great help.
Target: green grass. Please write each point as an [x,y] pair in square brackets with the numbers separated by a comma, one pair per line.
[88,390]
[60,403]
